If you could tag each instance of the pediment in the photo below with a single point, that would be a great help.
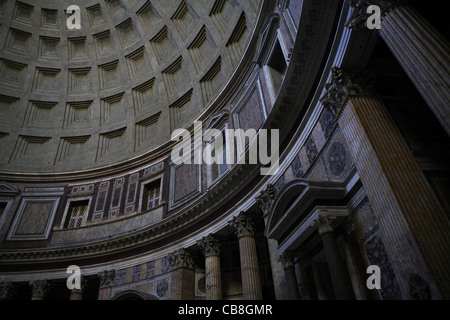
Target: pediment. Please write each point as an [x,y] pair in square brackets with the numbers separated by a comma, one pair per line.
[8,189]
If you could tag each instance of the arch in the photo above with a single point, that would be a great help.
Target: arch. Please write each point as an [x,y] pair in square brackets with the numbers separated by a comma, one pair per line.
[294,198]
[134,295]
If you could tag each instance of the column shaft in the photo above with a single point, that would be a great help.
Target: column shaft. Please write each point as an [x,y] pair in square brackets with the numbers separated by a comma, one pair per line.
[251,282]
[423,54]
[339,275]
[408,212]
[213,278]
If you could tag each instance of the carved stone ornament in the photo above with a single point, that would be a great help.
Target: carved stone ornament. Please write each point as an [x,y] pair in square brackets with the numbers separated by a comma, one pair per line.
[209,245]
[359,16]
[6,290]
[344,84]
[265,198]
[181,259]
[244,225]
[39,287]
[324,224]
[107,278]
[286,260]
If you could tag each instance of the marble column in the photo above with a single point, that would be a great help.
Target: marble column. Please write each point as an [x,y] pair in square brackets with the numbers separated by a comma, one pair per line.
[414,226]
[419,48]
[39,289]
[106,282]
[291,278]
[251,282]
[182,275]
[77,294]
[339,276]
[6,290]
[210,247]
[264,201]
[301,262]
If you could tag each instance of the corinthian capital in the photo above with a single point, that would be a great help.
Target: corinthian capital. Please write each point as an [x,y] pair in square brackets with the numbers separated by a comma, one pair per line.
[6,290]
[244,225]
[265,198]
[344,84]
[324,224]
[181,259]
[209,245]
[40,287]
[359,16]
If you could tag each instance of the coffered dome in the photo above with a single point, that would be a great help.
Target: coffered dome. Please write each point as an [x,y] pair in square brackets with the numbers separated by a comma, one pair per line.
[116,88]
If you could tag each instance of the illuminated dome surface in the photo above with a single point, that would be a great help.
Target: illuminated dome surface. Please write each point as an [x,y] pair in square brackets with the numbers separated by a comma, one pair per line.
[117,88]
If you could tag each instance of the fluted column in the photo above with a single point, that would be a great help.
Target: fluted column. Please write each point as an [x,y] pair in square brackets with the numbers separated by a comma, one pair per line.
[339,276]
[39,289]
[414,226]
[77,294]
[182,275]
[264,201]
[419,48]
[210,247]
[251,282]
[106,282]
[291,278]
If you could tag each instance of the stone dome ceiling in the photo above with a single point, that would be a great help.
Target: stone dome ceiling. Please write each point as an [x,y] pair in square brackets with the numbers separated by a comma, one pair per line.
[119,86]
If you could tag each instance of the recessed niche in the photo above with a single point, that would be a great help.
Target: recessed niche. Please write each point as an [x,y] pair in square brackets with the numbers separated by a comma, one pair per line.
[145,130]
[236,41]
[46,80]
[163,44]
[39,114]
[48,48]
[148,15]
[127,33]
[109,75]
[23,13]
[77,115]
[49,19]
[185,19]
[11,73]
[111,143]
[77,49]
[111,109]
[201,47]
[137,63]
[174,76]
[17,41]
[143,96]
[211,81]
[103,44]
[79,81]
[95,15]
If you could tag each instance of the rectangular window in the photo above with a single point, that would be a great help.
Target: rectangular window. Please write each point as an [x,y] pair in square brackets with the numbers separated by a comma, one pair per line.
[78,211]
[152,195]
